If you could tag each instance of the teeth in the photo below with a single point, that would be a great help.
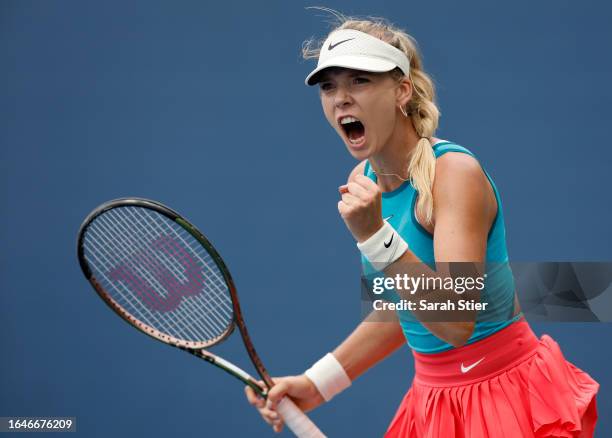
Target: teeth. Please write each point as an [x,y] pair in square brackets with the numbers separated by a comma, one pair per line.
[345,120]
[356,140]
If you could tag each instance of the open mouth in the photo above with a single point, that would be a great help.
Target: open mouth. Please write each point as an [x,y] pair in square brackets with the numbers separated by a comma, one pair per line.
[354,129]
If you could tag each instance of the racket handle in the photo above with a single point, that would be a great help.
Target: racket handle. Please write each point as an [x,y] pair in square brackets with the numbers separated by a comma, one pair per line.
[297,421]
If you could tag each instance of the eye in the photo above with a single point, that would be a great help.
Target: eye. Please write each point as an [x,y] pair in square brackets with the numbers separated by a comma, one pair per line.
[361,80]
[326,86]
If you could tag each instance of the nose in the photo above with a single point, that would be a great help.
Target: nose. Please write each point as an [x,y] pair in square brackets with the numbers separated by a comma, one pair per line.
[342,97]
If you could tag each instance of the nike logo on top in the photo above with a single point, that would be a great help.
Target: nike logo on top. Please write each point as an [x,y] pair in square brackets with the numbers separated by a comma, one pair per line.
[465,369]
[332,46]
[387,245]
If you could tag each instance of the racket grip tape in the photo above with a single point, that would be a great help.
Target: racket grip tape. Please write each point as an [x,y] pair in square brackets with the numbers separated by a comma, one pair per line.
[297,421]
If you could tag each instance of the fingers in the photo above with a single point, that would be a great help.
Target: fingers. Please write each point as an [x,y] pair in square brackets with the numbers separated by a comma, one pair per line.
[359,181]
[365,182]
[254,398]
[360,191]
[301,389]
[266,409]
[356,196]
[342,208]
[277,392]
[360,187]
[275,395]
[271,417]
[350,199]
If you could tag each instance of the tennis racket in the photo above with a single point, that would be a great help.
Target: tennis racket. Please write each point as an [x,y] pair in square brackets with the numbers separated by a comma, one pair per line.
[162,276]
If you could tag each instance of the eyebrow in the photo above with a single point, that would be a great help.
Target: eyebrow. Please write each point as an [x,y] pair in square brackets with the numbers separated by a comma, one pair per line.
[352,74]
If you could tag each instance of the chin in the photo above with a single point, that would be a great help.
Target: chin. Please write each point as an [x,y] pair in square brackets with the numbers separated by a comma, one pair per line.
[360,153]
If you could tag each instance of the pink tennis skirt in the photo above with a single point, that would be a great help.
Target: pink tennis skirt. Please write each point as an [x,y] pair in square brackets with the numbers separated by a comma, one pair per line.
[508,385]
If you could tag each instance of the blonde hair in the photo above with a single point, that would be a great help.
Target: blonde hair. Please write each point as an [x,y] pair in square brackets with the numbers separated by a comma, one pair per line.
[421,108]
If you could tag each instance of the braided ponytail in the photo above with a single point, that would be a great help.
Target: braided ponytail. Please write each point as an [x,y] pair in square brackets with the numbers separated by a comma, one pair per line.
[424,114]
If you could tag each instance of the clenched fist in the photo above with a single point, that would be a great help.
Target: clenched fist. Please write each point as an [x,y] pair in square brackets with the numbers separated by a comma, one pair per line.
[360,207]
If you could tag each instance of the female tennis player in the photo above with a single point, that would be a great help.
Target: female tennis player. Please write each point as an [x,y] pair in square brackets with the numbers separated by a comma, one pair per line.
[414,198]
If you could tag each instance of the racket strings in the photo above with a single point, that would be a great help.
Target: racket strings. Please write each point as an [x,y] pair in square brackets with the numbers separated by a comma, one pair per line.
[101,260]
[130,302]
[217,302]
[217,312]
[151,278]
[159,273]
[177,271]
[134,263]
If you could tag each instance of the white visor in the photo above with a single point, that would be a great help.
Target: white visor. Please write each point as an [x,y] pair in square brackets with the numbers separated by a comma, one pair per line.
[359,51]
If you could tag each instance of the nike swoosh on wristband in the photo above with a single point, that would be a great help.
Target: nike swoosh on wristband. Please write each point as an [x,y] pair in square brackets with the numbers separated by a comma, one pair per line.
[387,245]
[388,217]
[332,46]
[466,369]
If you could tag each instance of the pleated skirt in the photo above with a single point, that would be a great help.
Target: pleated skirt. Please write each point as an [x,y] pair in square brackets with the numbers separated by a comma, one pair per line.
[508,385]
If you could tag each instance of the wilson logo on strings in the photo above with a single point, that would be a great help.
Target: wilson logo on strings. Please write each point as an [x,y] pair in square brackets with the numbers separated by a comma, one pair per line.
[171,255]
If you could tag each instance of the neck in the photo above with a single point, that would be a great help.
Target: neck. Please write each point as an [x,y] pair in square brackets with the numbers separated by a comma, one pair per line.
[391,163]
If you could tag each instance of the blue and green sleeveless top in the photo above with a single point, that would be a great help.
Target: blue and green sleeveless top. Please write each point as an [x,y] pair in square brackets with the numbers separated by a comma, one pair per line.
[399,207]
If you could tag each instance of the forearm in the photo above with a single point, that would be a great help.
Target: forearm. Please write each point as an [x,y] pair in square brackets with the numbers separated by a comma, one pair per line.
[455,330]
[370,342]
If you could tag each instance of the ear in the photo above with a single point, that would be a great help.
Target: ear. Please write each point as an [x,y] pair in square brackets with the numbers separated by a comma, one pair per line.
[404,92]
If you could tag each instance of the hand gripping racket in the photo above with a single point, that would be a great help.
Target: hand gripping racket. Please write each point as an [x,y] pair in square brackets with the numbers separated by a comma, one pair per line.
[161,275]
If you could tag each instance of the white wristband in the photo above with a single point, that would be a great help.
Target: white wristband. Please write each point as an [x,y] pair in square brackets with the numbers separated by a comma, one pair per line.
[384,247]
[328,376]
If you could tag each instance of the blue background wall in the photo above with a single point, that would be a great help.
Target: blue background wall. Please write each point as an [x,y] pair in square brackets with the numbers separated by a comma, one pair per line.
[201,105]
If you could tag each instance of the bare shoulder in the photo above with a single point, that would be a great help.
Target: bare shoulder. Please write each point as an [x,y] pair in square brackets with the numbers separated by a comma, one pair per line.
[358,170]
[459,171]
[460,183]
[458,162]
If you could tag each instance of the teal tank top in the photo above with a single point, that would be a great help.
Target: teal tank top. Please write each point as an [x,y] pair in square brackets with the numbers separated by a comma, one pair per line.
[399,206]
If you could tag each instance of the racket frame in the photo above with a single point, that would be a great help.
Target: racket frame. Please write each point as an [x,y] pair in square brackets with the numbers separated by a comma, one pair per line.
[195,348]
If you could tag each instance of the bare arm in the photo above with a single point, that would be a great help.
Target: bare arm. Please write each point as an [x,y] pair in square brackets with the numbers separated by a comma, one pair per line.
[464,209]
[370,342]
[375,338]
